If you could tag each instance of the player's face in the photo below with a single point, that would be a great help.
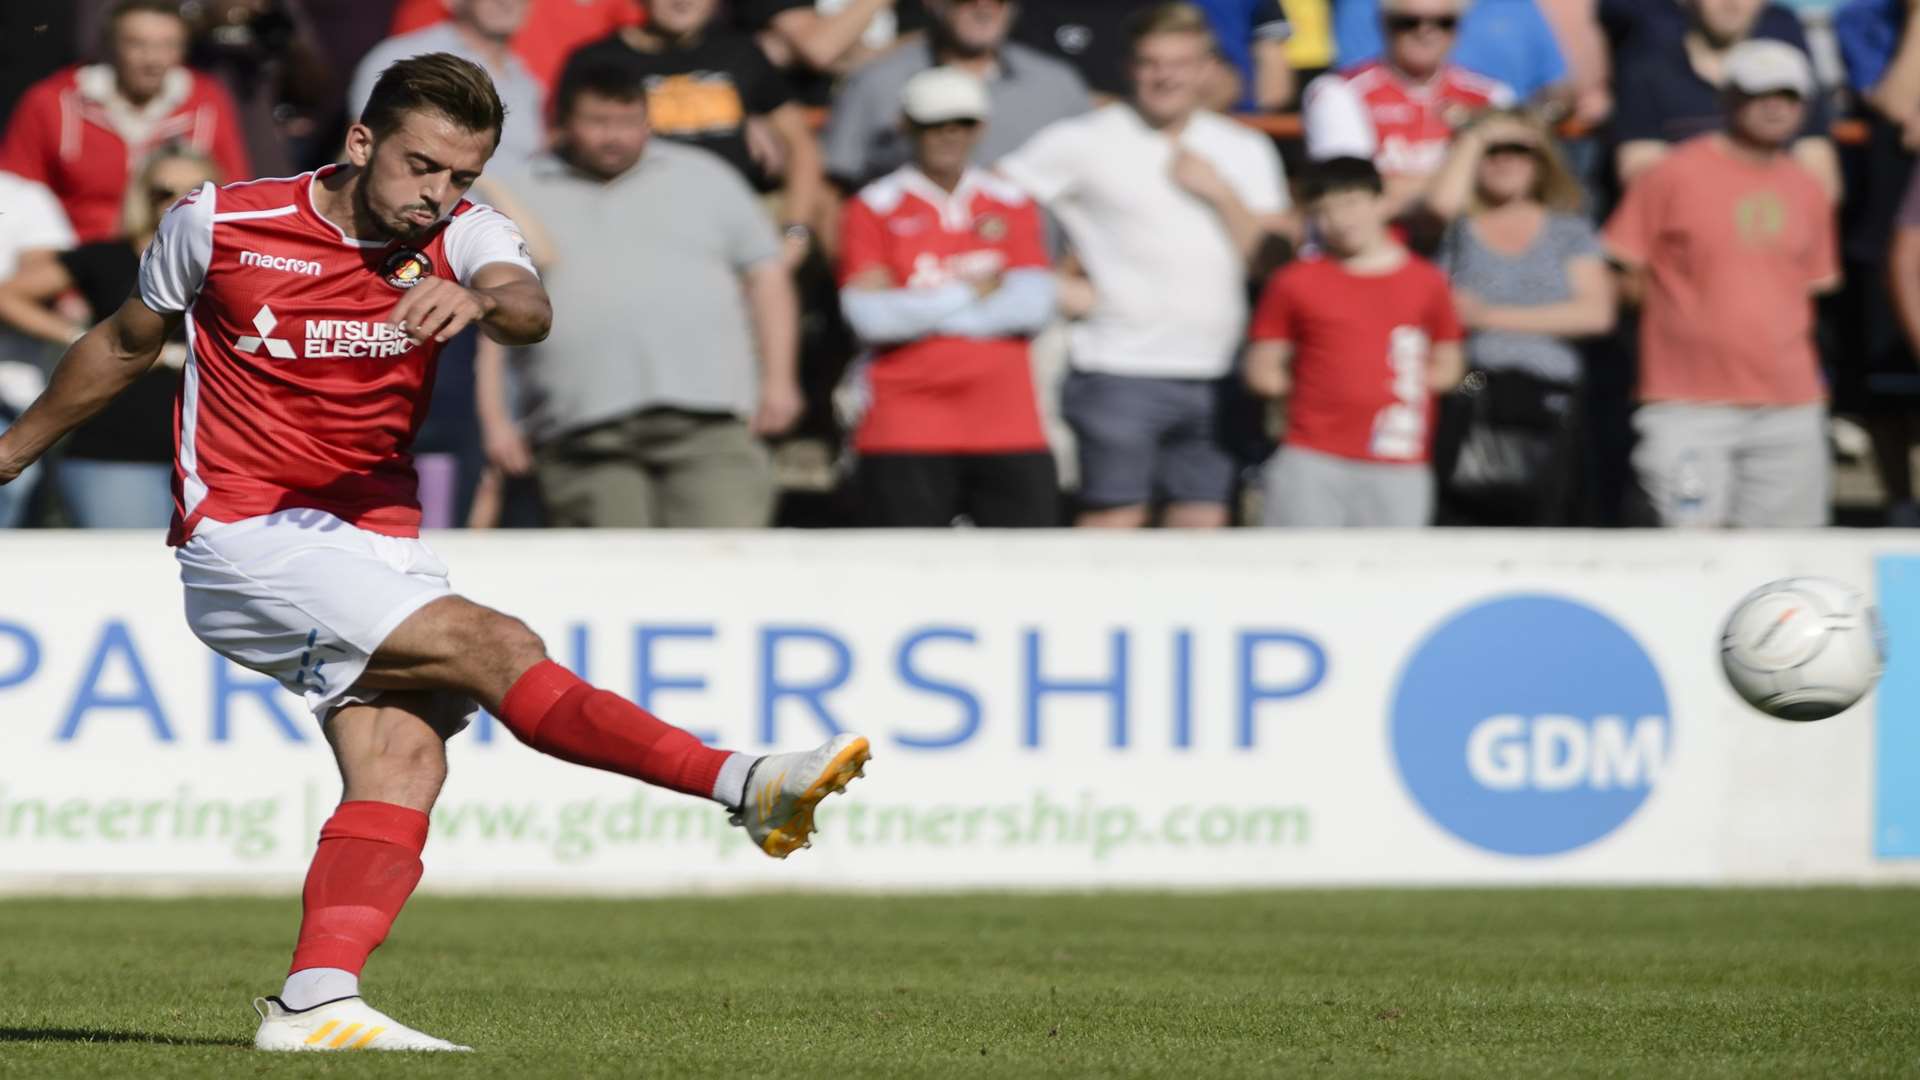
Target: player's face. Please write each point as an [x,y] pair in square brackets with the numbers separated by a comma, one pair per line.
[975,27]
[146,46]
[497,19]
[605,136]
[1168,70]
[1725,22]
[945,149]
[1420,33]
[1349,221]
[416,174]
[677,17]
[1768,119]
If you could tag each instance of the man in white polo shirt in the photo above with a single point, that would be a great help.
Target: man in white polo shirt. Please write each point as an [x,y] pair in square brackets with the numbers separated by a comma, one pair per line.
[1165,204]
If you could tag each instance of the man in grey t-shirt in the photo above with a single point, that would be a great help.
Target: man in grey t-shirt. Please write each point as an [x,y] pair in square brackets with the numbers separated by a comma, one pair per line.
[1027,89]
[677,340]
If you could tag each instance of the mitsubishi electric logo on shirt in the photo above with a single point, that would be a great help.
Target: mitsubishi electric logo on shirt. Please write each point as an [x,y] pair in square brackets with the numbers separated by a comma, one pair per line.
[328,339]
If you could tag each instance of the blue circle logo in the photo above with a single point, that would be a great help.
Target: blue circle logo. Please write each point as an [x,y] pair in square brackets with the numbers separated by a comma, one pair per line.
[1530,725]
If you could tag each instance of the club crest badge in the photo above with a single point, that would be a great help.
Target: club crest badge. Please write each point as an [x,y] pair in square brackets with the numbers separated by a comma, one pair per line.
[406,268]
[992,228]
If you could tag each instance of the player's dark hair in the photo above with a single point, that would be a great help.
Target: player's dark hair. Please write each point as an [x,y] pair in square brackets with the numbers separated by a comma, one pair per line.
[608,79]
[1340,174]
[435,82]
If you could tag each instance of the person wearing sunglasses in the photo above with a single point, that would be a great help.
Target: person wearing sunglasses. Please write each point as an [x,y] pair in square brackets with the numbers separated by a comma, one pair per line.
[1529,282]
[117,471]
[1401,110]
[1510,41]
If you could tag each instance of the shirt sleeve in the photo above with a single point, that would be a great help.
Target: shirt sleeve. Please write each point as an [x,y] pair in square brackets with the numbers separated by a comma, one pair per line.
[1442,321]
[30,141]
[1356,30]
[1630,232]
[1636,102]
[1867,32]
[1027,239]
[1549,62]
[1823,260]
[765,88]
[850,127]
[1048,166]
[1270,21]
[1909,216]
[1273,318]
[229,150]
[175,263]
[863,240]
[1336,121]
[481,237]
[1262,183]
[750,236]
[42,222]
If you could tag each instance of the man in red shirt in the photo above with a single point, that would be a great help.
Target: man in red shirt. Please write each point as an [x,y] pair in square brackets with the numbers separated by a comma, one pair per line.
[554,28]
[315,309]
[83,131]
[1357,342]
[945,276]
[1400,110]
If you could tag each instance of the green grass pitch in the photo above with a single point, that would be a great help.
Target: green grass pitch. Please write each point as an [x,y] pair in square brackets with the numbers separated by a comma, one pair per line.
[1548,983]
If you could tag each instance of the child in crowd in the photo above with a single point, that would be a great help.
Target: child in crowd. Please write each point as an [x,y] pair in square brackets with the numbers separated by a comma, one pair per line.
[1355,343]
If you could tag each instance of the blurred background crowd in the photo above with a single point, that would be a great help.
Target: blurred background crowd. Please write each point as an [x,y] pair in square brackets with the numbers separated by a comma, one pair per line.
[1112,263]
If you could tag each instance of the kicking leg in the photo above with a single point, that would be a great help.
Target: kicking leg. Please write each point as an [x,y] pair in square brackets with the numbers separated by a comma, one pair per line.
[392,762]
[453,643]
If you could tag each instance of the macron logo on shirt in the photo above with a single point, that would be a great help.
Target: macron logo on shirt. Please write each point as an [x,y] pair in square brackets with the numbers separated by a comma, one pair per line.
[280,262]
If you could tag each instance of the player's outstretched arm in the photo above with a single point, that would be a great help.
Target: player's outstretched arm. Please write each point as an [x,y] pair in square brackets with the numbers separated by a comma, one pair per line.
[105,361]
[506,300]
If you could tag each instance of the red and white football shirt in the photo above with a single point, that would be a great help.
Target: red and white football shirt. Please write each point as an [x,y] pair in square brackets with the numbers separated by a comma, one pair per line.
[1362,348]
[297,391]
[1370,111]
[946,394]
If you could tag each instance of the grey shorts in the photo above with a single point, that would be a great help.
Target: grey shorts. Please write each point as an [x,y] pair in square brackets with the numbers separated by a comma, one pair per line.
[1142,439]
[1734,465]
[1306,489]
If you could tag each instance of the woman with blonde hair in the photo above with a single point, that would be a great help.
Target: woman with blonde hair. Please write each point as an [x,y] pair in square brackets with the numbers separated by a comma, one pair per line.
[117,471]
[1529,281]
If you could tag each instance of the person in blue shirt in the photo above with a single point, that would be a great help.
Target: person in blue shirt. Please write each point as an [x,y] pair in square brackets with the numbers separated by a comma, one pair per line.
[1506,40]
[1252,37]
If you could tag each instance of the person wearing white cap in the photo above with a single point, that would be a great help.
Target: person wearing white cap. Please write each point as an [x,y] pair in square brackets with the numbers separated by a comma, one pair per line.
[1726,240]
[1669,90]
[946,279]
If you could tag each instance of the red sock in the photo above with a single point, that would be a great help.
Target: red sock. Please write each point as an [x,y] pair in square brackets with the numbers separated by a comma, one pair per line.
[366,867]
[553,711]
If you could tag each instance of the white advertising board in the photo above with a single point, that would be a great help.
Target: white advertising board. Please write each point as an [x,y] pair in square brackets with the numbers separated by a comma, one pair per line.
[1062,710]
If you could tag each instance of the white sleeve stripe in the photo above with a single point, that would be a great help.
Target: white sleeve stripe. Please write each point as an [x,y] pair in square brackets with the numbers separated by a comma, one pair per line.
[249,215]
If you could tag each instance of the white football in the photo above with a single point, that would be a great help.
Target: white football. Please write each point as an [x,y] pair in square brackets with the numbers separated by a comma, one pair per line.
[1803,648]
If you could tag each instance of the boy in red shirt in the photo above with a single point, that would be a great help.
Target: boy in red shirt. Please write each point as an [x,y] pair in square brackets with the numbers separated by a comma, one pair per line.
[1356,342]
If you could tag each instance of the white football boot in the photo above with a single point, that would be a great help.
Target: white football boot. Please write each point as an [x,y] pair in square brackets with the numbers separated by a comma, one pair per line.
[783,789]
[345,1024]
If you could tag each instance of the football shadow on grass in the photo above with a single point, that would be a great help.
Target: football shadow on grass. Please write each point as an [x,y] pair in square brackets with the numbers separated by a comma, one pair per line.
[96,1035]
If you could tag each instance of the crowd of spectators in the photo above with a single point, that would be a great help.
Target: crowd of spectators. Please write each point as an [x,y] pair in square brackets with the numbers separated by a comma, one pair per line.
[1113,263]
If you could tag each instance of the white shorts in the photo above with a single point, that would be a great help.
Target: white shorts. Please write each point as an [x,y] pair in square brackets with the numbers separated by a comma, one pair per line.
[306,598]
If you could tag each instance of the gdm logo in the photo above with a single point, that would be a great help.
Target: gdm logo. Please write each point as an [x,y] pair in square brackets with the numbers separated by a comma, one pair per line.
[1530,725]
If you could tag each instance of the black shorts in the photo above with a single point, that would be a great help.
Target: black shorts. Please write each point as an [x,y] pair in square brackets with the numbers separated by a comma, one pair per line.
[932,491]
